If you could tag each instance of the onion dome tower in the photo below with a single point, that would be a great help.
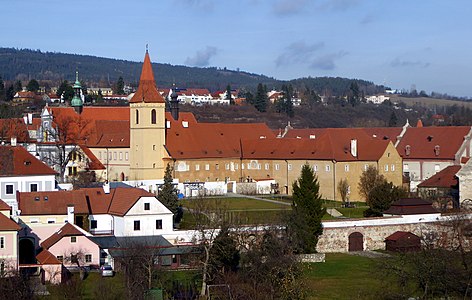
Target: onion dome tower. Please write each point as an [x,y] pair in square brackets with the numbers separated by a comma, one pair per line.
[76,101]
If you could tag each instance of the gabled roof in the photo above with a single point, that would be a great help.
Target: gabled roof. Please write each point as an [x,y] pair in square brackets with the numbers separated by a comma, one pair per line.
[4,206]
[398,235]
[7,224]
[94,162]
[147,91]
[411,206]
[17,161]
[445,178]
[432,142]
[85,201]
[66,230]
[47,258]
[110,134]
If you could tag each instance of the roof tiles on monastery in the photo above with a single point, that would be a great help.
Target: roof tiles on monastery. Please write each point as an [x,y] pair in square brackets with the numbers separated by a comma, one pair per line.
[17,161]
[432,142]
[147,91]
[445,178]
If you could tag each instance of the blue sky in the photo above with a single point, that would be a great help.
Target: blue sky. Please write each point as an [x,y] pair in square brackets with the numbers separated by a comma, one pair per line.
[397,43]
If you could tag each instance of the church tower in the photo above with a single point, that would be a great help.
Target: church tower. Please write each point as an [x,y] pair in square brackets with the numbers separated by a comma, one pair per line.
[147,128]
[76,101]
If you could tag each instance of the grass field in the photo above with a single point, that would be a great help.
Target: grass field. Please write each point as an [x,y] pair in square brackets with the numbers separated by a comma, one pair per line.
[430,102]
[343,276]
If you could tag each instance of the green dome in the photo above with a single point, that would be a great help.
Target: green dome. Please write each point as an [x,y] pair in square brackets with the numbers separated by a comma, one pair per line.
[76,101]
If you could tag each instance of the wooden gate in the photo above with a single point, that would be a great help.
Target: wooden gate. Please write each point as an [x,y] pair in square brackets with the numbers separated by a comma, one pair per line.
[356,242]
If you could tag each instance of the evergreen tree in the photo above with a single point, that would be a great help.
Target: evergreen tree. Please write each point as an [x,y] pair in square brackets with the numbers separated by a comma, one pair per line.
[228,95]
[18,87]
[260,102]
[9,93]
[2,89]
[354,97]
[285,104]
[249,98]
[168,192]
[307,211]
[66,90]
[119,87]
[32,86]
[393,120]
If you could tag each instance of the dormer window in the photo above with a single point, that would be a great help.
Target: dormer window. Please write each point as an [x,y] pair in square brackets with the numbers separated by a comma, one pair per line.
[407,150]
[436,150]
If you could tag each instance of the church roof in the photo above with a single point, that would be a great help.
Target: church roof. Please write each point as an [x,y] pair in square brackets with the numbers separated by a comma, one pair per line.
[147,91]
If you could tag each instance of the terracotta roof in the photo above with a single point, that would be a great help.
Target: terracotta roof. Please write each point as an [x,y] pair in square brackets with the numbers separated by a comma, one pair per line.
[25,95]
[432,142]
[211,140]
[17,161]
[7,224]
[66,230]
[446,178]
[198,92]
[94,162]
[411,206]
[147,91]
[85,201]
[330,144]
[110,134]
[47,258]
[4,206]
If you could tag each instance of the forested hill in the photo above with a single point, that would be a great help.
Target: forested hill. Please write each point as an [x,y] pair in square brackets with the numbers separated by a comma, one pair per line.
[24,64]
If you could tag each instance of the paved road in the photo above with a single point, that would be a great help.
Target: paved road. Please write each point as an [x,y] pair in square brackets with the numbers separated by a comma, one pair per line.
[257,198]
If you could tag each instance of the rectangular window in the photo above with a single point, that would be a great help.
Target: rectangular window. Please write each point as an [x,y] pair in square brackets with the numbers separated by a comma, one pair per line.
[93,224]
[436,168]
[109,155]
[346,168]
[227,166]
[114,155]
[249,166]
[34,220]
[259,166]
[386,168]
[315,168]
[266,167]
[9,189]
[328,168]
[121,155]
[99,154]
[73,239]
[392,168]
[217,167]
[33,187]
[207,167]
[236,166]
[147,206]
[277,167]
[126,155]
[88,258]
[289,167]
[2,242]
[366,167]
[158,224]
[51,221]
[197,167]
[405,167]
[137,225]
[60,258]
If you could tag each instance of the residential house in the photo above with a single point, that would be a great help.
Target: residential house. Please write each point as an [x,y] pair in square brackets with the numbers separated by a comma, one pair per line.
[442,187]
[8,240]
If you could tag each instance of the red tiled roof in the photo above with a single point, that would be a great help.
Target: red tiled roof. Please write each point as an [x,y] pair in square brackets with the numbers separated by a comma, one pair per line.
[66,230]
[445,178]
[398,235]
[25,95]
[94,163]
[85,201]
[4,206]
[199,92]
[47,258]
[422,142]
[7,224]
[110,134]
[147,91]
[17,161]
[330,144]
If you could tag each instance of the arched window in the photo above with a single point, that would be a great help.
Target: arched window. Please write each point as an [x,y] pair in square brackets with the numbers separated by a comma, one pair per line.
[137,116]
[153,116]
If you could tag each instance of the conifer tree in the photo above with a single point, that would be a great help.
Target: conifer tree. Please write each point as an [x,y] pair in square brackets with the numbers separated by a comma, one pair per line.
[260,103]
[307,211]
[168,193]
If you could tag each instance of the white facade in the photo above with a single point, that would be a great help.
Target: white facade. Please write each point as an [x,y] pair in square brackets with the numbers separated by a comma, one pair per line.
[11,184]
[377,99]
[147,217]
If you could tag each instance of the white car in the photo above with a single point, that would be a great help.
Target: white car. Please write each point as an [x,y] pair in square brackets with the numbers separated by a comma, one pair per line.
[106,271]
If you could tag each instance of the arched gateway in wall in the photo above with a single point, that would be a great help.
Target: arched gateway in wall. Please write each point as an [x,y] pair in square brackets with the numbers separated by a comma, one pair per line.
[356,242]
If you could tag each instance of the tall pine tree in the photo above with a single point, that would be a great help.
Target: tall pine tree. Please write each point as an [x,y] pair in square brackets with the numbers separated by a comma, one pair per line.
[260,102]
[168,192]
[307,211]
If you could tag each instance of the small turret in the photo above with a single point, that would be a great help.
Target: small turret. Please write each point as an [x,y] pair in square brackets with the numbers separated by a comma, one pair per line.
[76,101]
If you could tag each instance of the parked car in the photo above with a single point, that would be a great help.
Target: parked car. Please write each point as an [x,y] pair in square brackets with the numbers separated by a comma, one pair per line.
[106,271]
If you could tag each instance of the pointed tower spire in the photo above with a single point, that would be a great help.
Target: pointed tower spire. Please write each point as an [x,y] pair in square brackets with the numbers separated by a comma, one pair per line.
[147,91]
[76,101]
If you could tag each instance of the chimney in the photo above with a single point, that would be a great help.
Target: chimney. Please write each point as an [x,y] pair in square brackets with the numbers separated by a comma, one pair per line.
[174,105]
[25,119]
[70,214]
[30,118]
[354,147]
[13,141]
[106,187]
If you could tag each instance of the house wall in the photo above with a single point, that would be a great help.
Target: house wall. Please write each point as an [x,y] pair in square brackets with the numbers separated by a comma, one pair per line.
[115,160]
[23,184]
[83,245]
[421,170]
[147,218]
[9,254]
[104,223]
[52,273]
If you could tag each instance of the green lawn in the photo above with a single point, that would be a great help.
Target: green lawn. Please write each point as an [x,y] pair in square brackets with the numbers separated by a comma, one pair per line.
[343,276]
[235,203]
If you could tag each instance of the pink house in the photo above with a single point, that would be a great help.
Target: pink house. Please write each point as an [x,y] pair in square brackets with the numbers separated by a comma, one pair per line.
[51,267]
[8,240]
[72,246]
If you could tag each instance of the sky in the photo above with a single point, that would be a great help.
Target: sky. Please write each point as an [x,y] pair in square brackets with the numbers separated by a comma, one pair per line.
[402,44]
